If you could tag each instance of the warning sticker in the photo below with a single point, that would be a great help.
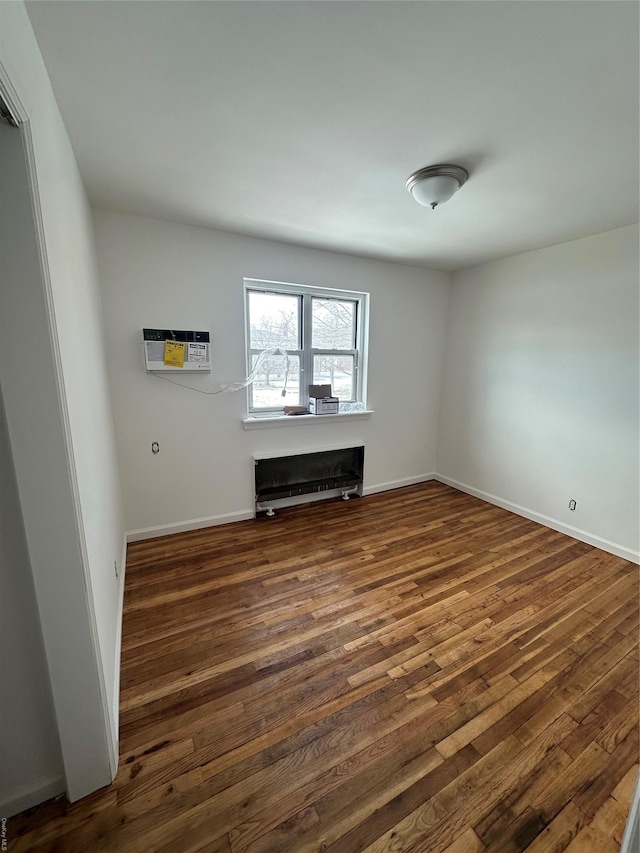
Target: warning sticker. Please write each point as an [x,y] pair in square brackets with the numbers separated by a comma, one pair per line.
[174,353]
[197,352]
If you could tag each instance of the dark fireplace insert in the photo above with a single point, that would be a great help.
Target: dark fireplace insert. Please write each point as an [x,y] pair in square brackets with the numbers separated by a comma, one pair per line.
[304,473]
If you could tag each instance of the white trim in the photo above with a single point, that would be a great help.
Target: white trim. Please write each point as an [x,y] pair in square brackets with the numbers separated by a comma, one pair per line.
[185,526]
[272,286]
[32,797]
[270,422]
[631,837]
[274,454]
[21,114]
[245,515]
[397,484]
[547,521]
[115,747]
[110,736]
[306,351]
[10,97]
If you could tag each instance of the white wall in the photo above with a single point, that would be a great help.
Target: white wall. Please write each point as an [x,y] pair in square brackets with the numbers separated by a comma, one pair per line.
[540,401]
[166,275]
[30,760]
[61,430]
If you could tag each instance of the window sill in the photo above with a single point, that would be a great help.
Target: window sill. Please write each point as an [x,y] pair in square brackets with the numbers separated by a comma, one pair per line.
[297,420]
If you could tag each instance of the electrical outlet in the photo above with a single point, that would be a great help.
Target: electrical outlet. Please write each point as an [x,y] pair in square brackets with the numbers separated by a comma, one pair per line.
[572,504]
[115,566]
[155,447]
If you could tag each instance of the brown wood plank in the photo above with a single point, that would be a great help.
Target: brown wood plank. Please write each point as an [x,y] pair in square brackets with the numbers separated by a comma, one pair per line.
[413,671]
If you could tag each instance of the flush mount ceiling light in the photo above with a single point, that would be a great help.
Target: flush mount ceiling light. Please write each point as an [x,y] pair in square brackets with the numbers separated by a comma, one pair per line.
[434,185]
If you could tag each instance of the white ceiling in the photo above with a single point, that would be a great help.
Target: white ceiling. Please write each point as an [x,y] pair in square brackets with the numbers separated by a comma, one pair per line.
[300,121]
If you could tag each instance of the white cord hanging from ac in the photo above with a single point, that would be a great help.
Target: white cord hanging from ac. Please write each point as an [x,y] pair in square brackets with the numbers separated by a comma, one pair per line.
[238,386]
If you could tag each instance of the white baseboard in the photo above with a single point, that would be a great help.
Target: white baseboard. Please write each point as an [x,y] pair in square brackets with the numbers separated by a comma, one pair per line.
[547,521]
[185,526]
[115,746]
[243,515]
[554,524]
[631,837]
[26,799]
[398,484]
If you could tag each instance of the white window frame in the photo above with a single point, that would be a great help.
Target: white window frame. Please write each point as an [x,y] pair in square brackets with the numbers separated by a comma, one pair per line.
[306,352]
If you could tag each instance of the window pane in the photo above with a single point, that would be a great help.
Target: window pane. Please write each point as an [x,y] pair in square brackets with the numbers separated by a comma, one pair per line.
[273,321]
[266,390]
[333,324]
[337,371]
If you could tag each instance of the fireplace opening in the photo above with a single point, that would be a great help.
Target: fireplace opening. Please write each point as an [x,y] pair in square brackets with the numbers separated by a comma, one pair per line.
[282,477]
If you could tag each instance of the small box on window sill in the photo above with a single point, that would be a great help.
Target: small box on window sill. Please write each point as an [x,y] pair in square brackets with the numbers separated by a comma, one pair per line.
[321,402]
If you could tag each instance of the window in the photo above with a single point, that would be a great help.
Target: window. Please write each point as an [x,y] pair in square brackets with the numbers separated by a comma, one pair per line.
[322,332]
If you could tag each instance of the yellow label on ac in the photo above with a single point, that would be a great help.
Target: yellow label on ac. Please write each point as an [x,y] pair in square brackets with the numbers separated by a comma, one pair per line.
[174,353]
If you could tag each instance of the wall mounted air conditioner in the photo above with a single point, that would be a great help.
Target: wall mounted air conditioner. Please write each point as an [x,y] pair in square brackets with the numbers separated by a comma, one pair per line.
[197,350]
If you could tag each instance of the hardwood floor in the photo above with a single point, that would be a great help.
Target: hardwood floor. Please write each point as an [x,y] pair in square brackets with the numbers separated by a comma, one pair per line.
[413,671]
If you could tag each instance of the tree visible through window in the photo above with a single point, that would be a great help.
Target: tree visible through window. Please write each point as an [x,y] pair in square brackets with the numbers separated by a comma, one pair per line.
[322,332]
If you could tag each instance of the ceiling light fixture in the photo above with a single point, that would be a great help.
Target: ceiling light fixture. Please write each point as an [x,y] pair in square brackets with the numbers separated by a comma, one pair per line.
[434,185]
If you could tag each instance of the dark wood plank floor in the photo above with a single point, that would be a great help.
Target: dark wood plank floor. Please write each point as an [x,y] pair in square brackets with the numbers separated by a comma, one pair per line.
[413,671]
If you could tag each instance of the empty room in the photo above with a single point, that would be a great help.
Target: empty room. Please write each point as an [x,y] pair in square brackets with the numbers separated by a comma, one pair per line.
[319,426]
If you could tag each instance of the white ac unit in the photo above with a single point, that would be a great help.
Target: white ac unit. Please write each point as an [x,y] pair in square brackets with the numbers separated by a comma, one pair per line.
[197,350]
